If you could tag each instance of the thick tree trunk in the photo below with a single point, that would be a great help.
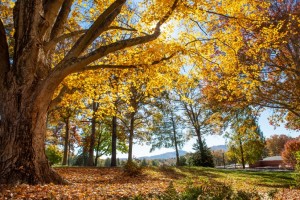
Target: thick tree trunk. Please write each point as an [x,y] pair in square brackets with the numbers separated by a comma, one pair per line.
[23,107]
[114,142]
[22,136]
[66,145]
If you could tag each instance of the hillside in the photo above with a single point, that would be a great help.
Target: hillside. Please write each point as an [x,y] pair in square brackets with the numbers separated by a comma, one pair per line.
[167,155]
[219,147]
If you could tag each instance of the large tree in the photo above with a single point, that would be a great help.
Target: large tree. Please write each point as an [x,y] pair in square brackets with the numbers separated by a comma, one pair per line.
[30,72]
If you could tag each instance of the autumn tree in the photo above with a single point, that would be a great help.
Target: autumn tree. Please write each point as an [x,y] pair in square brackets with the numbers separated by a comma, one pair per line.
[246,142]
[167,126]
[289,153]
[31,71]
[275,144]
[257,62]
[199,116]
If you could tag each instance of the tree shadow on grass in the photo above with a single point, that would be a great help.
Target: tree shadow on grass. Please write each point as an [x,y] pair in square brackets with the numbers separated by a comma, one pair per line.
[200,172]
[272,179]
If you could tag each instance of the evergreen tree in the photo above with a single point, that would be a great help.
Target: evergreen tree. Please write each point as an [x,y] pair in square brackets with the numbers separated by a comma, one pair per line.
[202,158]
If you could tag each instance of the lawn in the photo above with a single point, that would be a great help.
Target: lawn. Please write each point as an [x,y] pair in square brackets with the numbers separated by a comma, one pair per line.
[111,183]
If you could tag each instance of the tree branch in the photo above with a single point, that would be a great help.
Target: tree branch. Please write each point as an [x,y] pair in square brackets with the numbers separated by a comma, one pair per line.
[51,44]
[98,27]
[71,63]
[51,9]
[119,45]
[61,19]
[133,66]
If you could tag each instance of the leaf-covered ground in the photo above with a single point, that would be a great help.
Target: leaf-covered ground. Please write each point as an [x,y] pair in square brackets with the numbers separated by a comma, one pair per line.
[111,183]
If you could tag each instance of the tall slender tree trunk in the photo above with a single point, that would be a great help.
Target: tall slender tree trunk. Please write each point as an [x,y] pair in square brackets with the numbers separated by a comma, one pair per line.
[66,145]
[98,145]
[92,136]
[113,162]
[242,153]
[200,142]
[131,135]
[175,139]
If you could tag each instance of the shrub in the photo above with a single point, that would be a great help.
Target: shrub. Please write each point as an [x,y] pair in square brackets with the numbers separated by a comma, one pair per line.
[53,154]
[132,169]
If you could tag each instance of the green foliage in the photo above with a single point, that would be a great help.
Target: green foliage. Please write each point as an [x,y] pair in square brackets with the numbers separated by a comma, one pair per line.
[54,154]
[202,157]
[167,124]
[132,169]
[81,159]
[182,161]
[144,163]
[155,163]
[107,162]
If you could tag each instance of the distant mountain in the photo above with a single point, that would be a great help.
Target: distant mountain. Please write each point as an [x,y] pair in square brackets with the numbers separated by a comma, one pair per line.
[167,155]
[219,147]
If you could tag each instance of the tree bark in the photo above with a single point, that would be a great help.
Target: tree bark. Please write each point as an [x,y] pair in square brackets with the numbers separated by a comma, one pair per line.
[175,139]
[131,134]
[92,137]
[113,162]
[66,145]
[23,114]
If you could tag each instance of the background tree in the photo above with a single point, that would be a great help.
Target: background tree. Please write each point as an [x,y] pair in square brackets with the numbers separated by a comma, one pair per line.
[168,128]
[246,143]
[258,63]
[275,144]
[289,153]
[54,154]
[202,157]
[200,117]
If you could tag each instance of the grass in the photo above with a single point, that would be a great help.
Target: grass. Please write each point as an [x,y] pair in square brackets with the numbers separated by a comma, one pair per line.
[238,178]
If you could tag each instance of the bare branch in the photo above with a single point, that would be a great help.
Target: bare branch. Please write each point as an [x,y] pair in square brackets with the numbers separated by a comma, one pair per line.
[51,44]
[120,28]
